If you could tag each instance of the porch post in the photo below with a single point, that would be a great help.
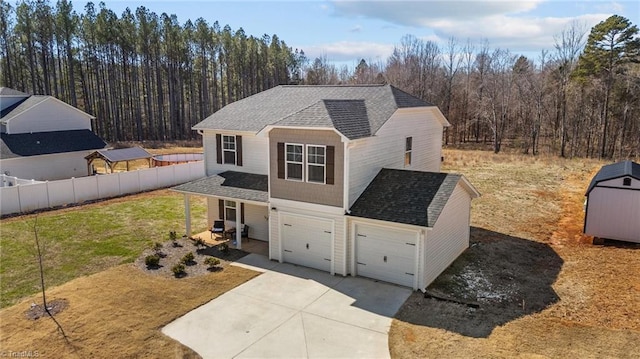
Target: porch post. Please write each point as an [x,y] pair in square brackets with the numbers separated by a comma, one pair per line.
[187,214]
[238,227]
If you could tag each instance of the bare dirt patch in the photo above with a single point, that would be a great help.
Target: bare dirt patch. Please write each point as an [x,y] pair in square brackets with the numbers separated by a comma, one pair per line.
[544,290]
[37,311]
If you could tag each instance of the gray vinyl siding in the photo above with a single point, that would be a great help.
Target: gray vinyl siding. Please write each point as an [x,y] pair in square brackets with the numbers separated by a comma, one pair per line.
[325,194]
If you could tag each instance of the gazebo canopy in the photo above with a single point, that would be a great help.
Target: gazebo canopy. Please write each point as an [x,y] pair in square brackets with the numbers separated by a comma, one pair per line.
[111,157]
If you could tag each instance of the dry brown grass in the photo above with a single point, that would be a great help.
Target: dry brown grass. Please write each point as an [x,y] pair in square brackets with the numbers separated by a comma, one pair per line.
[116,313]
[538,199]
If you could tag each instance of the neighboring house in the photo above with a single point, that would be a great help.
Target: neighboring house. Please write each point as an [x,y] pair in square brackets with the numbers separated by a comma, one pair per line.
[344,179]
[613,203]
[43,138]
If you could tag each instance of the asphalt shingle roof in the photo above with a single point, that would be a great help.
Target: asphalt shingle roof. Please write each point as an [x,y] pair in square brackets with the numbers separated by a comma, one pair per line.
[230,184]
[124,154]
[43,143]
[409,197]
[615,170]
[345,108]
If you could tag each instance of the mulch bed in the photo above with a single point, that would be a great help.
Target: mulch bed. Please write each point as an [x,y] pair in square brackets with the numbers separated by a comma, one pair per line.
[37,311]
[171,255]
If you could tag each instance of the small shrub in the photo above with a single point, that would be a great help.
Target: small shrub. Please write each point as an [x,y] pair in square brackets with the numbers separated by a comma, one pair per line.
[173,235]
[178,270]
[157,247]
[224,248]
[211,262]
[188,258]
[152,260]
[198,242]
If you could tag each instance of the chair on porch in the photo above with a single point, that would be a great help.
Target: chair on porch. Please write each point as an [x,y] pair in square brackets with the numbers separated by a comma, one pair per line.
[245,231]
[217,228]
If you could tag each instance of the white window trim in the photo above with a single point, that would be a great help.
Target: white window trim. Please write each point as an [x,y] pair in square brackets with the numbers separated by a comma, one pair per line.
[286,162]
[324,165]
[409,152]
[224,150]
[229,205]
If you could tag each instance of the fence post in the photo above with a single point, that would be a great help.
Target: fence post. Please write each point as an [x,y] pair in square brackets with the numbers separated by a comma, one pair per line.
[48,198]
[73,185]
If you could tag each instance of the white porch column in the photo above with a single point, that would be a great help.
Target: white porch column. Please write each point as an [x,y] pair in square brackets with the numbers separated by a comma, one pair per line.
[238,226]
[187,214]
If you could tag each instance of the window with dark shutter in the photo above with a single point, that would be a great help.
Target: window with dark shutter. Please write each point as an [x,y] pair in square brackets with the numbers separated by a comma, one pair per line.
[218,148]
[221,209]
[239,150]
[280,159]
[331,154]
[241,212]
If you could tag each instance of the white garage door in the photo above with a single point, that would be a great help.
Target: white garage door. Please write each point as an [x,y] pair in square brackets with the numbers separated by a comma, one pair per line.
[307,241]
[386,254]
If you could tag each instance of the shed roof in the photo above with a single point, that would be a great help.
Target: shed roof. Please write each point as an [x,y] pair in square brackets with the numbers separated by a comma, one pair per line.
[355,111]
[43,143]
[121,154]
[408,197]
[615,170]
[230,184]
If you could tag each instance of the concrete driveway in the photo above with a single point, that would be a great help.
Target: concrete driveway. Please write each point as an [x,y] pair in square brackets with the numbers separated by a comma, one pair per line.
[293,312]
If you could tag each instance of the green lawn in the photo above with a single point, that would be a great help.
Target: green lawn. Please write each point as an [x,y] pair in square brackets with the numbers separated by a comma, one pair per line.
[88,239]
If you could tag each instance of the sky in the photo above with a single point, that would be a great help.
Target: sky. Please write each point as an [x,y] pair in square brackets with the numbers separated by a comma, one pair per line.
[346,31]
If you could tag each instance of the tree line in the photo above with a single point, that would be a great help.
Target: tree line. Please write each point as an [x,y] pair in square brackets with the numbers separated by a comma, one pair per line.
[581,99]
[148,77]
[144,76]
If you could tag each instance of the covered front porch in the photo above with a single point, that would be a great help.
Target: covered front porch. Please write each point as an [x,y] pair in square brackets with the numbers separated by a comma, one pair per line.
[236,199]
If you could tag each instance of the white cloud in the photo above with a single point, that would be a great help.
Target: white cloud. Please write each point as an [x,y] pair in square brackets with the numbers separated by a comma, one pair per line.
[419,13]
[356,28]
[349,51]
[505,24]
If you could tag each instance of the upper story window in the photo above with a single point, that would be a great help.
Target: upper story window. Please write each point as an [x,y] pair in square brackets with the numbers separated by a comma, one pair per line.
[306,163]
[626,182]
[229,149]
[315,163]
[294,161]
[408,146]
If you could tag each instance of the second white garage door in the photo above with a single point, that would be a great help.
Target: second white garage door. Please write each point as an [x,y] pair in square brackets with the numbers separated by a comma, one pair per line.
[386,254]
[307,241]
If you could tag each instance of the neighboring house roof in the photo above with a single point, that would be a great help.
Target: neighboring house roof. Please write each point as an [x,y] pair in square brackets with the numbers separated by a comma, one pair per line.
[121,154]
[615,170]
[24,105]
[43,143]
[230,184]
[12,111]
[408,197]
[355,111]
[5,91]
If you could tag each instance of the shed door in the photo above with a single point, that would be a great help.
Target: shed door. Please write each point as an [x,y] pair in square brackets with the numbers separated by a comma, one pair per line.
[307,241]
[386,254]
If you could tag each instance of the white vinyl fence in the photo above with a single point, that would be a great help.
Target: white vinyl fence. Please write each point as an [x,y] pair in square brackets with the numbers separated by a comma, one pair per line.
[31,196]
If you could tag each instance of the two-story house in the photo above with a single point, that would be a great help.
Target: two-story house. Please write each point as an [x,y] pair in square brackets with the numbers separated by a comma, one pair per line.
[43,138]
[345,179]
